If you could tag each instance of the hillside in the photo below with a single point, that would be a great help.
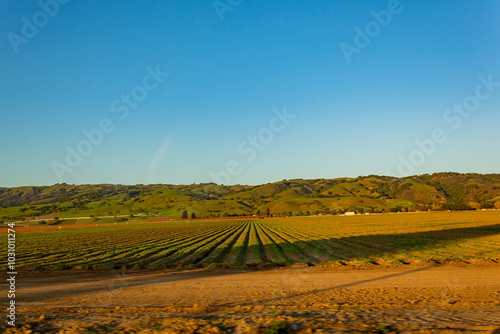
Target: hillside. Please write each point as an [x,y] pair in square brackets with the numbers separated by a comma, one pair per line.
[440,191]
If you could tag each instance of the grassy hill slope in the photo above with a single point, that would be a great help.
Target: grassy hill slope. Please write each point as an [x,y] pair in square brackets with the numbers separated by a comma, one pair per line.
[292,197]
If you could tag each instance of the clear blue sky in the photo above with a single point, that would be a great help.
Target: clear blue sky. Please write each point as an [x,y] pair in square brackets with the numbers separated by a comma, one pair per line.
[228,68]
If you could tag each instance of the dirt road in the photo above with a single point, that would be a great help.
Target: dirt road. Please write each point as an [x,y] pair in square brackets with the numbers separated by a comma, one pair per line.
[414,299]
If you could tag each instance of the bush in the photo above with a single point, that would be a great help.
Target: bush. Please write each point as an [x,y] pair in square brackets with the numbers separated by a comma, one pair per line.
[42,222]
[276,327]
[54,222]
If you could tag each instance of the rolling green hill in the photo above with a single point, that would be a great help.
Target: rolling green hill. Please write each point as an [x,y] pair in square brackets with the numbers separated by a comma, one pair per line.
[440,191]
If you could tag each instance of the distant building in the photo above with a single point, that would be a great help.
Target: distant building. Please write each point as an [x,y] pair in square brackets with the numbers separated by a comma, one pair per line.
[350,213]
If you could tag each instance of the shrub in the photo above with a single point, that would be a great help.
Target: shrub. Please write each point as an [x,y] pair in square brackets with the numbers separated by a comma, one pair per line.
[276,327]
[54,222]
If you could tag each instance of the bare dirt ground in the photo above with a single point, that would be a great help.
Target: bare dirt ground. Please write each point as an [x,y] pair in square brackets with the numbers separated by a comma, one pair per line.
[442,299]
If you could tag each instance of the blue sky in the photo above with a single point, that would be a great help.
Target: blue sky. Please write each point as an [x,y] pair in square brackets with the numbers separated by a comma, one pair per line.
[232,67]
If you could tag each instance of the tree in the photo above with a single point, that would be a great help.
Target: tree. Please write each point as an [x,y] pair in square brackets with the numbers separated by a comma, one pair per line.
[193,215]
[487,205]
[184,214]
[268,212]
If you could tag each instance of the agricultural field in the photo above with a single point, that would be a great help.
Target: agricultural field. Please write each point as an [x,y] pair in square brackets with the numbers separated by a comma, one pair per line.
[338,241]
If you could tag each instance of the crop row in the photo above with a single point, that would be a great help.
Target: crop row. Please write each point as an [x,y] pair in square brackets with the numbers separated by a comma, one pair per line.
[258,242]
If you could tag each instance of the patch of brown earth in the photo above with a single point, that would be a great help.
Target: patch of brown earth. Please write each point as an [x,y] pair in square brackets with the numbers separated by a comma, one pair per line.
[297,300]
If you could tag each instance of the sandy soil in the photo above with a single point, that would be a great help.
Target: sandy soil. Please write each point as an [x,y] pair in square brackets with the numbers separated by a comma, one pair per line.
[304,300]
